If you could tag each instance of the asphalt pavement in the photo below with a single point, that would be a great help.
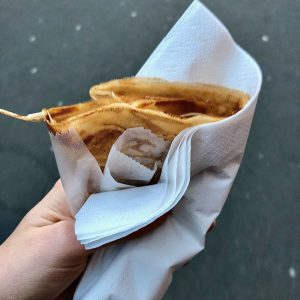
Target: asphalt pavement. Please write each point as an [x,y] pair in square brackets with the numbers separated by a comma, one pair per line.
[52,52]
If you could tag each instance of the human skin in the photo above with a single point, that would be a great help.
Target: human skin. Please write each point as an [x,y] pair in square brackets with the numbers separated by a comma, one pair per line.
[42,257]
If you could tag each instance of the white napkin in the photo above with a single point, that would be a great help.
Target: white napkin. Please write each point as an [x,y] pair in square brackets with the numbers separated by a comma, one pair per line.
[198,48]
[116,209]
[108,216]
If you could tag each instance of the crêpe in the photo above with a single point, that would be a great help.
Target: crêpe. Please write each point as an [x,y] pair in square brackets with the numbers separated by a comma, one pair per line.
[166,108]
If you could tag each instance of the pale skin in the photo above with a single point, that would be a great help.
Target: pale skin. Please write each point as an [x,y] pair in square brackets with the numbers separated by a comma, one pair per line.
[42,257]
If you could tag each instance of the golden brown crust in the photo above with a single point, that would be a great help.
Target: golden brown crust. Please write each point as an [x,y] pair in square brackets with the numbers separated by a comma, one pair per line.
[214,100]
[164,107]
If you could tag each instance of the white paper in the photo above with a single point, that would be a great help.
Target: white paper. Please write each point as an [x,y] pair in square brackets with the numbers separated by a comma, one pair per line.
[108,216]
[82,176]
[136,156]
[197,49]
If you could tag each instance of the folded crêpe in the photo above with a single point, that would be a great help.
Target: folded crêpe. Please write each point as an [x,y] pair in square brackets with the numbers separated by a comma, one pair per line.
[166,108]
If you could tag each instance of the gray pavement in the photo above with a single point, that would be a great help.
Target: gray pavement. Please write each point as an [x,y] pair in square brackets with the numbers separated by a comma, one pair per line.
[52,51]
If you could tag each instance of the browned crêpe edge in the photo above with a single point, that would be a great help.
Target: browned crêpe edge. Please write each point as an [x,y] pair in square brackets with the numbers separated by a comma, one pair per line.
[164,107]
[204,98]
[100,128]
[63,113]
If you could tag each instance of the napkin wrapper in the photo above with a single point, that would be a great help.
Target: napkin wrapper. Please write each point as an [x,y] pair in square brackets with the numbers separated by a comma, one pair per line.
[197,49]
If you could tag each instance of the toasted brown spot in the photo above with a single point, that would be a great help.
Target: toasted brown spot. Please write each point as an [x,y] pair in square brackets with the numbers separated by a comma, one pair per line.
[178,108]
[100,143]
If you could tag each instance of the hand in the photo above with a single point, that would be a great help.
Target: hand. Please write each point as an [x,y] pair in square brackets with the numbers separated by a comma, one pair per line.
[42,257]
